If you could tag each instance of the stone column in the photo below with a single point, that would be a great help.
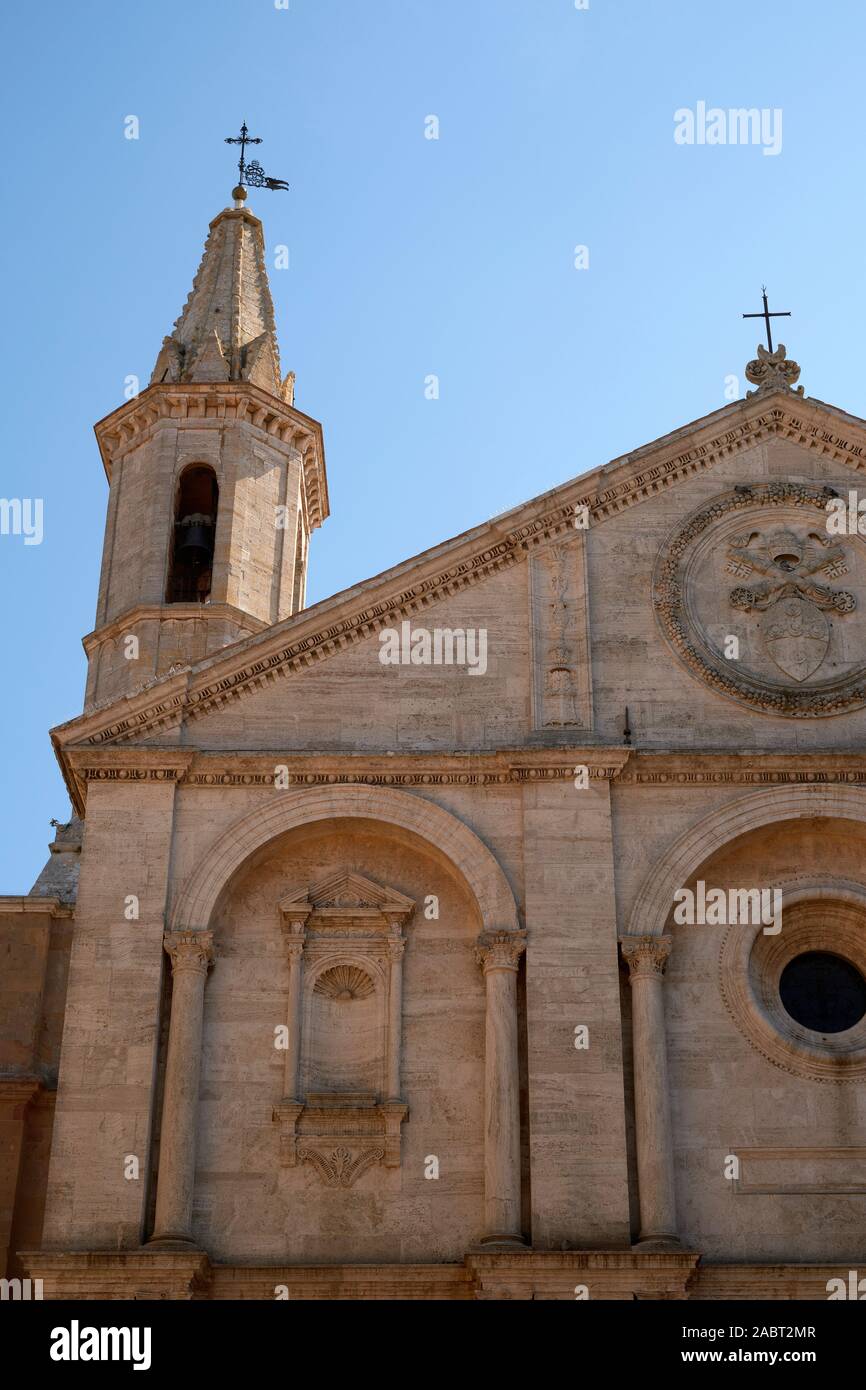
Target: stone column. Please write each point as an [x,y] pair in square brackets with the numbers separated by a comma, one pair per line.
[499,955]
[646,957]
[296,939]
[396,947]
[191,953]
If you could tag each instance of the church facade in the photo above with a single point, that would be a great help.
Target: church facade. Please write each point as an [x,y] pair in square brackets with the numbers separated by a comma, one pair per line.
[495,928]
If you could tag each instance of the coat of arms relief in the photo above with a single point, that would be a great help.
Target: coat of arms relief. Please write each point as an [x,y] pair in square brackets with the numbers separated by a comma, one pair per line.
[782,568]
[800,646]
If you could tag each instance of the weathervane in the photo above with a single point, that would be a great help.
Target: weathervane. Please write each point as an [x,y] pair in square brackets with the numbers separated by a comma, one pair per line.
[766,316]
[251,174]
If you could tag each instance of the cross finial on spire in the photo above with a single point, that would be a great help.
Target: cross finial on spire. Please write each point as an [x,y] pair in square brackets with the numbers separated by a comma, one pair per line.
[766,316]
[252,174]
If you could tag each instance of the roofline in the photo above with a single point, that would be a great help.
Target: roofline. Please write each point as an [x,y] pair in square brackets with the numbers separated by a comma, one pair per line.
[506,529]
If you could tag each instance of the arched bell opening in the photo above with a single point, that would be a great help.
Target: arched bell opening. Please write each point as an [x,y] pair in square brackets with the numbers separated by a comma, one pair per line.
[190,571]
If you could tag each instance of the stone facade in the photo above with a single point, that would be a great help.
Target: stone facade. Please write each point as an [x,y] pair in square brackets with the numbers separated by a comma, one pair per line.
[372,983]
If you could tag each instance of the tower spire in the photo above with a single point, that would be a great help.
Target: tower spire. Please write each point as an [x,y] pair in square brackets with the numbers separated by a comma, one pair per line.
[226,330]
[217,482]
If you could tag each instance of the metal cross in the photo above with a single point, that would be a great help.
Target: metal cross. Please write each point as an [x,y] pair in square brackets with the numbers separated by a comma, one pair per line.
[766,316]
[243,140]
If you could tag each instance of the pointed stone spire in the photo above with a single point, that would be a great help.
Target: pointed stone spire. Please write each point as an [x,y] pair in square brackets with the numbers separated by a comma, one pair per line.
[226,330]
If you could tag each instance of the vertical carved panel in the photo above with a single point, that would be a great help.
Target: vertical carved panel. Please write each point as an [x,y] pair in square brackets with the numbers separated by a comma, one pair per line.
[561,673]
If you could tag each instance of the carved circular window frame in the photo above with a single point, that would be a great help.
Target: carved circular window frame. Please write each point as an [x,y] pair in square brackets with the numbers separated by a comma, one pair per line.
[670,603]
[832,919]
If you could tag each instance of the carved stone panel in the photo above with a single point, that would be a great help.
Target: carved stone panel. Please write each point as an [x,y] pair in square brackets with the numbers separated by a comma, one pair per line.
[764,604]
[561,684]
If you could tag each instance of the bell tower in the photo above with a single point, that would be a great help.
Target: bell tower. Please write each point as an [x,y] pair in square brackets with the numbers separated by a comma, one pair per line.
[216,481]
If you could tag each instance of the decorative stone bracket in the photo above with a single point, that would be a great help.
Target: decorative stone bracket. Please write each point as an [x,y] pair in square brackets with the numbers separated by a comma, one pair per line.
[341,1136]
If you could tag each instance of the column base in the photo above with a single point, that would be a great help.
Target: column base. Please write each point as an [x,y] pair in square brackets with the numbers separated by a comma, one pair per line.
[655,1245]
[147,1273]
[184,1244]
[490,1244]
[581,1274]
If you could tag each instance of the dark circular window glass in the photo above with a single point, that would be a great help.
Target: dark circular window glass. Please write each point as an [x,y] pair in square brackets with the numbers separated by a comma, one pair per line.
[823,992]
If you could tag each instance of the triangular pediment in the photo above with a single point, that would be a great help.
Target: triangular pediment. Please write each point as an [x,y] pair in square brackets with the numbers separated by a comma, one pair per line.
[346,895]
[329,627]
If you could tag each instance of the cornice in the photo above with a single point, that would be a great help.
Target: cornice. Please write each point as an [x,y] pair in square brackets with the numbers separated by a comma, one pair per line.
[231,770]
[237,401]
[338,622]
[627,767]
[129,765]
[164,612]
[36,906]
[701,768]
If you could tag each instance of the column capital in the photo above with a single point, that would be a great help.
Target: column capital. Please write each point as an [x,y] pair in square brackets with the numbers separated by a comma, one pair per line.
[500,950]
[295,937]
[189,950]
[396,943]
[646,956]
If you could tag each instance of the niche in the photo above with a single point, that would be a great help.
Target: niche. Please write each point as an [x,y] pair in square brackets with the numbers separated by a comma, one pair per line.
[192,542]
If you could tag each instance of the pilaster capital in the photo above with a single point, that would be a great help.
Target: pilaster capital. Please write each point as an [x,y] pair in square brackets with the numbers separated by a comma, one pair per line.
[295,939]
[646,956]
[189,950]
[396,944]
[500,950]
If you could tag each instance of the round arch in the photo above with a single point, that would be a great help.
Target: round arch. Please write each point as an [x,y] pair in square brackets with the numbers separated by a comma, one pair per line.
[695,845]
[290,809]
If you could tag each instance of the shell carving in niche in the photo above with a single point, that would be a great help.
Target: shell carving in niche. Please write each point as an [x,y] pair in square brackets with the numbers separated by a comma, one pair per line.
[344,982]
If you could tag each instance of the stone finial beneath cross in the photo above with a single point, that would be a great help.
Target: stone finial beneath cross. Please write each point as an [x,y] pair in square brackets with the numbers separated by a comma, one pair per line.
[770,371]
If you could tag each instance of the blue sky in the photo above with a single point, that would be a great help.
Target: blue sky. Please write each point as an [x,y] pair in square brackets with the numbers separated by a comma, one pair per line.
[408,257]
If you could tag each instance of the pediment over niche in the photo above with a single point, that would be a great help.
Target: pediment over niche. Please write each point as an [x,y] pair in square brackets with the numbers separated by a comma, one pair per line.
[346,901]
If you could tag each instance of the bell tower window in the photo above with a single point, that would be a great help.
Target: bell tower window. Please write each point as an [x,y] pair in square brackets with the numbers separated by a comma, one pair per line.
[192,542]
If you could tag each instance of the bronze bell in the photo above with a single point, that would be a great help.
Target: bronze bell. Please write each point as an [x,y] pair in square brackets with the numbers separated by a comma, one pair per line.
[196,540]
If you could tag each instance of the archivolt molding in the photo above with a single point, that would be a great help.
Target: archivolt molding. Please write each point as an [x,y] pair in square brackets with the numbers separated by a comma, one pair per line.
[686,855]
[443,831]
[667,463]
